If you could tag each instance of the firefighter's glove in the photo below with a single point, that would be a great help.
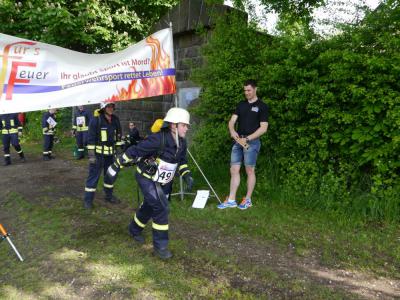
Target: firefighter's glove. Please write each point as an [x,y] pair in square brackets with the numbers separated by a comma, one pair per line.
[92,156]
[188,182]
[112,172]
[123,160]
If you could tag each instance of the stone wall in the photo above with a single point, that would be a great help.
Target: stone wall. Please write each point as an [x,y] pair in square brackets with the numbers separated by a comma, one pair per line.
[142,112]
[186,18]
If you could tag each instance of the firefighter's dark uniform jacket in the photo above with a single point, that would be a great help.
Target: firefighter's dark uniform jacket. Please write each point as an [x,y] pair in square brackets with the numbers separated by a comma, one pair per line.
[81,128]
[48,134]
[132,138]
[103,138]
[170,159]
[10,126]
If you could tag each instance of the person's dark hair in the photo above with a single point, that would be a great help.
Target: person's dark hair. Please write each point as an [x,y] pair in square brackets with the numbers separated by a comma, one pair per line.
[251,82]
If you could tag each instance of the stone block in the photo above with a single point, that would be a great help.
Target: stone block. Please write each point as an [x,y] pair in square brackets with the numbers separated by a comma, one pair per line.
[193,51]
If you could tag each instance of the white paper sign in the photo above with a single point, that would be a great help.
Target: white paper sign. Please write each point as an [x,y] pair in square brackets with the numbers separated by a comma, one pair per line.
[201,199]
[80,121]
[51,122]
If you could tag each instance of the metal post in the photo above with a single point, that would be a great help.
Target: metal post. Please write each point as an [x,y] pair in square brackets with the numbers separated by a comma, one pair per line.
[204,176]
[5,235]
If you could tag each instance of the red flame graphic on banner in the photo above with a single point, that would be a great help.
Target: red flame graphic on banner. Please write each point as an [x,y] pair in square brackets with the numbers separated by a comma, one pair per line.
[149,87]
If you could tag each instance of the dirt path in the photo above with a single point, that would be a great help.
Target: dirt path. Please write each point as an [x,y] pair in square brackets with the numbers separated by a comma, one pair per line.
[62,178]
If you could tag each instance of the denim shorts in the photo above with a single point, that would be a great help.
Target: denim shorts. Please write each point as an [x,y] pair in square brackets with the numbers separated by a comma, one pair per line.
[249,156]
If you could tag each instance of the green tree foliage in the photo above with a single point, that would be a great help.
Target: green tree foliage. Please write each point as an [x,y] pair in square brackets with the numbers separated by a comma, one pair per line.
[334,107]
[90,26]
[33,126]
[293,10]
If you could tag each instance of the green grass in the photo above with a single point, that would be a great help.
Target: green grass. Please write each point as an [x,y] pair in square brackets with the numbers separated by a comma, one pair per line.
[71,253]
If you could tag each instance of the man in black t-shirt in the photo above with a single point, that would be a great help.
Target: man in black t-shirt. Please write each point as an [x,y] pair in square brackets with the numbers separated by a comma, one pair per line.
[252,118]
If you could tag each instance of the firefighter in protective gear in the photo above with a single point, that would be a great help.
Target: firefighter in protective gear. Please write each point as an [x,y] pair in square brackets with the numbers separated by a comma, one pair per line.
[133,136]
[11,130]
[49,129]
[157,158]
[103,138]
[80,130]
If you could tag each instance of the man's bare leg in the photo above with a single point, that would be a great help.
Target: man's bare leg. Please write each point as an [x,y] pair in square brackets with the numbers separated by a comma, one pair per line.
[251,181]
[235,181]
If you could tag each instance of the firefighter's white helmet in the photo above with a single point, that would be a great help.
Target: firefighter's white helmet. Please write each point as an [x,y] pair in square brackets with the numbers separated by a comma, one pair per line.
[104,104]
[177,115]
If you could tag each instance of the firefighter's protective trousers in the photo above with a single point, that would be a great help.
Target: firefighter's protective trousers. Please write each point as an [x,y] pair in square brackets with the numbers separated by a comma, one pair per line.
[13,140]
[48,142]
[95,170]
[81,141]
[155,206]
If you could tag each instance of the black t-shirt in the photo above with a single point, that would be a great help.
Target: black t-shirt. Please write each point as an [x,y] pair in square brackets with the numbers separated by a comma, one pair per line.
[250,115]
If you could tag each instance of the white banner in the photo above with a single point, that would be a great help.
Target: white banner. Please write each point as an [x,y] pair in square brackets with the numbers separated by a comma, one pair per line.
[36,76]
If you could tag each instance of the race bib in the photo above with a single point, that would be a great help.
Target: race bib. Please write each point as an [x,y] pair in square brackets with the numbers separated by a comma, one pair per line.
[165,171]
[51,122]
[80,121]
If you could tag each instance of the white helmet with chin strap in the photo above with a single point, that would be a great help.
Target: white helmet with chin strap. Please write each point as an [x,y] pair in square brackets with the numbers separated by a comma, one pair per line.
[105,104]
[177,115]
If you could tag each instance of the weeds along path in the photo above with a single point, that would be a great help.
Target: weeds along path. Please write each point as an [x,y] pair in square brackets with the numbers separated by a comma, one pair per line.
[253,268]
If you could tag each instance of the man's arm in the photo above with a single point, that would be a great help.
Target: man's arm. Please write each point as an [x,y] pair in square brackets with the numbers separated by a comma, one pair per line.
[231,126]
[259,132]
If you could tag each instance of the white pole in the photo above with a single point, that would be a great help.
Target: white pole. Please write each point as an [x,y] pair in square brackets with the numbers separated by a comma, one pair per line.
[177,145]
[176,105]
[204,176]
[14,248]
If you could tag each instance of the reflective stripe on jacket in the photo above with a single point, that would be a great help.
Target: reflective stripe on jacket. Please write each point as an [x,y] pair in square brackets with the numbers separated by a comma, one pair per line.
[10,124]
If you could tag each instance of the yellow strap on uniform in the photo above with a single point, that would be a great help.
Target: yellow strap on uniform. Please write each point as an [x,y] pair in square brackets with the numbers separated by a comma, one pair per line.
[183,166]
[9,131]
[83,128]
[126,158]
[105,150]
[143,173]
[89,189]
[103,137]
[138,222]
[187,171]
[109,186]
[160,227]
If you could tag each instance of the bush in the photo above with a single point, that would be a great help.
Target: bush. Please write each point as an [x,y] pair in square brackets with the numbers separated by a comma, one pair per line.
[33,126]
[334,127]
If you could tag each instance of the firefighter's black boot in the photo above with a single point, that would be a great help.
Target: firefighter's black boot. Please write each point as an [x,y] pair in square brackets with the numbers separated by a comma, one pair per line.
[87,204]
[81,155]
[163,253]
[137,237]
[46,157]
[7,160]
[112,199]
[22,157]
